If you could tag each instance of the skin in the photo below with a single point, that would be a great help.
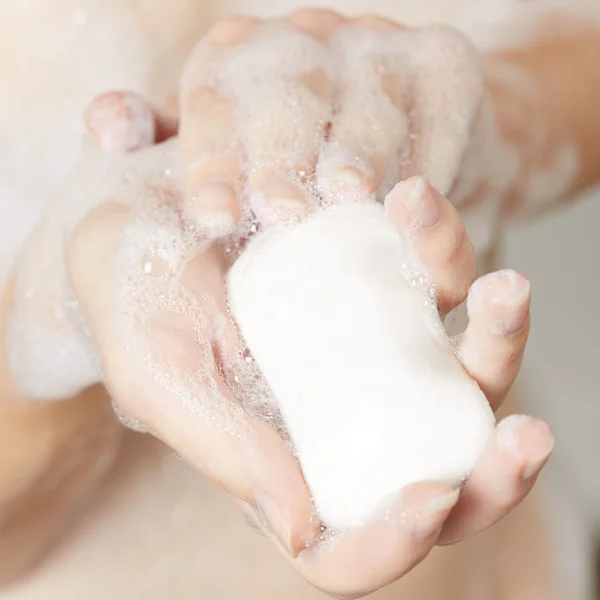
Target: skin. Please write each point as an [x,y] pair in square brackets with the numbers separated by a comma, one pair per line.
[492,356]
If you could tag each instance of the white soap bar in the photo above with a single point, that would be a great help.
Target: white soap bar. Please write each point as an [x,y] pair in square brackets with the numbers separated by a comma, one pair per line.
[366,380]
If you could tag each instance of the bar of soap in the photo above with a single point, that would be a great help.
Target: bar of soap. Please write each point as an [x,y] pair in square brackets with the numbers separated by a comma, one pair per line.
[365,378]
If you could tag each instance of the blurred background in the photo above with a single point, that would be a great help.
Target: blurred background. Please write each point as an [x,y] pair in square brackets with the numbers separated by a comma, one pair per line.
[561,254]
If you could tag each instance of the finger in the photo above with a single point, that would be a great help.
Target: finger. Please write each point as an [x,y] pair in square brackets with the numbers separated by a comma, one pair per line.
[239,451]
[354,563]
[243,456]
[286,108]
[436,234]
[321,23]
[446,94]
[210,160]
[503,476]
[123,122]
[492,347]
[369,131]
[210,154]
[163,375]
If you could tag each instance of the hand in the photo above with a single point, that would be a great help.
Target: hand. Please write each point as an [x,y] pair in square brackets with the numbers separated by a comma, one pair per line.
[430,121]
[277,116]
[174,386]
[158,321]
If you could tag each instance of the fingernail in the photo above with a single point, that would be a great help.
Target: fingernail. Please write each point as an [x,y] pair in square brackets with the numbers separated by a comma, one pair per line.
[434,513]
[280,193]
[423,204]
[509,431]
[350,176]
[214,196]
[213,205]
[445,502]
[516,305]
[272,518]
[220,223]
[509,292]
[535,464]
[522,435]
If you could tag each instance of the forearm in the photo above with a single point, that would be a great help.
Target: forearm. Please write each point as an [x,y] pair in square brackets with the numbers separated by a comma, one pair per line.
[51,455]
[58,432]
[545,101]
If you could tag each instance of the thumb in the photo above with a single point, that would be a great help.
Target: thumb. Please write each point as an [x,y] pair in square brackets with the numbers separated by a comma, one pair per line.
[203,423]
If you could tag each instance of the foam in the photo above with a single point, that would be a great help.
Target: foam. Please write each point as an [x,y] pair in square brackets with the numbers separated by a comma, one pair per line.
[49,347]
[350,344]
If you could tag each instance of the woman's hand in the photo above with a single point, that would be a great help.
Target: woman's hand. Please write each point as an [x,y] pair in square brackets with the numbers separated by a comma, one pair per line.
[311,108]
[366,104]
[177,390]
[147,262]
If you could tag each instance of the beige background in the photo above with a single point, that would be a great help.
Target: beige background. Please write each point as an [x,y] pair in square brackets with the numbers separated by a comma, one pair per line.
[561,255]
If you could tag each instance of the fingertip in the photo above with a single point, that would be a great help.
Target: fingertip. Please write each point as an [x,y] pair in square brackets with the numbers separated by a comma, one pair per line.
[529,439]
[212,205]
[276,198]
[425,506]
[435,233]
[120,121]
[506,287]
[502,477]
[280,493]
[357,561]
[414,204]
[353,177]
[502,299]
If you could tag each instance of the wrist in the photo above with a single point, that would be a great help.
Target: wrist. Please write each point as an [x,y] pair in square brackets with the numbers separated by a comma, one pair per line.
[44,341]
[52,456]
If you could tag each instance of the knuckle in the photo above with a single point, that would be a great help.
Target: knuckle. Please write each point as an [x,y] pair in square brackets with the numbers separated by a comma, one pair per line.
[457,250]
